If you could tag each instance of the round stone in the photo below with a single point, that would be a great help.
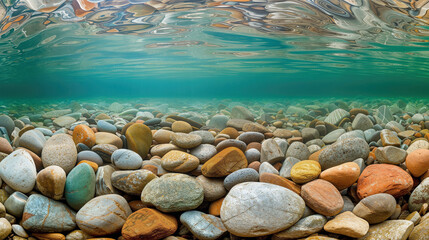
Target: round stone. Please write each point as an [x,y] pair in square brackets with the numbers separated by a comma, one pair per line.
[384,178]
[376,208]
[231,143]
[7,122]
[185,140]
[84,134]
[305,171]
[418,162]
[342,176]
[5,146]
[18,171]
[213,188]
[204,152]
[33,140]
[51,182]
[173,192]
[90,156]
[178,161]
[181,127]
[60,150]
[139,139]
[224,163]
[298,150]
[252,155]
[104,126]
[162,136]
[206,136]
[126,159]
[248,137]
[108,138]
[241,176]
[132,182]
[322,197]
[5,228]
[80,186]
[148,223]
[247,200]
[103,215]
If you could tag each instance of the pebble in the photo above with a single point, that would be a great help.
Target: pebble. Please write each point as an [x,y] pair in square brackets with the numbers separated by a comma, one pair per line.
[218,122]
[303,228]
[173,192]
[419,196]
[248,137]
[239,112]
[5,146]
[64,121]
[51,182]
[90,156]
[105,151]
[42,214]
[60,150]
[237,123]
[139,139]
[420,232]
[33,140]
[347,224]
[384,178]
[333,136]
[162,149]
[80,186]
[280,181]
[389,138]
[362,122]
[181,127]
[213,188]
[352,134]
[132,182]
[56,113]
[5,228]
[104,126]
[343,151]
[271,152]
[305,171]
[309,134]
[204,152]
[391,155]
[418,162]
[336,116]
[391,229]
[224,163]
[254,127]
[203,226]
[103,182]
[252,155]
[18,171]
[247,200]
[125,159]
[19,230]
[288,163]
[282,133]
[15,204]
[7,122]
[298,150]
[419,144]
[108,138]
[178,161]
[266,167]
[206,136]
[343,175]
[148,223]
[184,140]
[231,143]
[103,215]
[322,197]
[240,176]
[162,136]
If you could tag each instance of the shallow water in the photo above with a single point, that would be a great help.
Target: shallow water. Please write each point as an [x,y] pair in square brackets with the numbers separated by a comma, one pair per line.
[312,48]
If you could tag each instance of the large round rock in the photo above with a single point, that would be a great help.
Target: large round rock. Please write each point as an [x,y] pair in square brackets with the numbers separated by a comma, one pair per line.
[18,171]
[60,150]
[343,151]
[103,215]
[255,209]
[173,192]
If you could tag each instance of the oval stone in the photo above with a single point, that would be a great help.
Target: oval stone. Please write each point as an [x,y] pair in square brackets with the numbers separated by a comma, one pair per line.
[126,159]
[342,176]
[51,182]
[322,197]
[80,186]
[84,134]
[132,182]
[343,151]
[60,150]
[103,215]
[203,226]
[178,161]
[305,171]
[276,208]
[18,171]
[376,208]
[185,140]
[240,176]
[32,140]
[139,139]
[224,163]
[418,162]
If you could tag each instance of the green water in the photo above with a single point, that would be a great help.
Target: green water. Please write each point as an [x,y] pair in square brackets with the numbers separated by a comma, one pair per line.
[225,49]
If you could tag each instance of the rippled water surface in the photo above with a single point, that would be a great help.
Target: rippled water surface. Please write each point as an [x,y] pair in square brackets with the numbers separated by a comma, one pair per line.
[218,48]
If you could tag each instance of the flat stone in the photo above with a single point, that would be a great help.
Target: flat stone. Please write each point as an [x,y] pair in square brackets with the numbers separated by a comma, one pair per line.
[298,150]
[271,152]
[333,136]
[391,229]
[80,186]
[237,123]
[51,182]
[203,226]
[419,196]
[254,127]
[185,140]
[264,200]
[162,149]
[108,138]
[303,228]
[322,197]
[18,171]
[420,232]
[419,144]
[42,214]
[239,112]
[383,115]
[204,152]
[132,182]
[173,192]
[64,121]
[33,140]
[103,215]
[206,136]
[336,116]
[125,159]
[282,133]
[347,224]
[280,181]
[240,176]
[224,163]
[60,150]
[391,155]
[388,138]
[343,151]
[56,113]
[178,161]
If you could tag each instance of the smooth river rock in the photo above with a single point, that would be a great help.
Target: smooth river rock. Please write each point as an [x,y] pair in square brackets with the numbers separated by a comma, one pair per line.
[343,151]
[60,150]
[18,171]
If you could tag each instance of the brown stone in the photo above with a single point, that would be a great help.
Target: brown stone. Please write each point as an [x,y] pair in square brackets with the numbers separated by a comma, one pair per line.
[323,197]
[49,236]
[388,138]
[418,162]
[254,145]
[231,132]
[254,127]
[315,156]
[93,165]
[225,162]
[136,205]
[181,126]
[255,165]
[108,138]
[178,161]
[5,146]
[342,176]
[384,178]
[139,139]
[280,181]
[214,208]
[148,224]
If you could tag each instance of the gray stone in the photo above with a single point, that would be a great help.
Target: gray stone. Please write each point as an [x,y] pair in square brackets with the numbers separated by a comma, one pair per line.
[336,116]
[276,208]
[240,176]
[417,118]
[376,208]
[266,167]
[162,149]
[203,226]
[309,134]
[419,196]
[125,159]
[42,214]
[60,150]
[213,188]
[15,204]
[18,171]
[206,136]
[361,163]
[204,152]
[90,156]
[348,204]
[362,122]
[231,143]
[303,228]
[173,192]
[103,215]
[64,121]
[239,112]
[252,155]
[296,110]
[283,144]
[287,166]
[395,126]
[184,140]
[298,150]
[33,140]
[391,229]
[343,151]
[352,134]
[390,155]
[104,126]
[271,152]
[237,123]
[218,122]
[19,230]
[249,137]
[56,113]
[7,122]
[333,136]
[383,115]
[116,107]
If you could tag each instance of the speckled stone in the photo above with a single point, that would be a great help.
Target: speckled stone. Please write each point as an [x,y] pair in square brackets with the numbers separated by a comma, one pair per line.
[213,188]
[347,224]
[184,140]
[298,150]
[132,182]
[419,196]
[60,150]
[343,151]
[178,161]
[103,215]
[204,152]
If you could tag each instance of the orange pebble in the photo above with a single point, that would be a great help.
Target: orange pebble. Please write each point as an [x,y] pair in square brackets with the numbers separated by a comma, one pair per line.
[151,168]
[92,164]
[214,208]
[84,134]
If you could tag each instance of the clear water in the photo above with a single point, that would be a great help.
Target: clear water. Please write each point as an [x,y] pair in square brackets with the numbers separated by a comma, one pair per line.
[261,48]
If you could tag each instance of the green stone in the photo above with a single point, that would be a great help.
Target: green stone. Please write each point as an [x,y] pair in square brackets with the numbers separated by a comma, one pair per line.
[80,186]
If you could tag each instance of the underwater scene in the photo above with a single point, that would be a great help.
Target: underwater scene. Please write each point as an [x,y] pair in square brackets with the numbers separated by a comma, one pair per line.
[214,119]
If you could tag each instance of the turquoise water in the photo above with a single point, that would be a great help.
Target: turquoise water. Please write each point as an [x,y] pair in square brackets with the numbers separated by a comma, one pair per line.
[263,48]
